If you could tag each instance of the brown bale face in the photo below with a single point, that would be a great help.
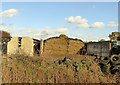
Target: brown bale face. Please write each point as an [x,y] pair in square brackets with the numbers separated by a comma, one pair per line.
[62,45]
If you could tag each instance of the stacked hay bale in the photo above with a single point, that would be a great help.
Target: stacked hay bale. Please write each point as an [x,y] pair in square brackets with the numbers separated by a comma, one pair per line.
[56,45]
[74,46]
[62,45]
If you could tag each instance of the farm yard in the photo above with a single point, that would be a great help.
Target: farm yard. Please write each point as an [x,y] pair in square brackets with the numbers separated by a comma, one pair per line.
[53,69]
[77,69]
[57,60]
[59,42]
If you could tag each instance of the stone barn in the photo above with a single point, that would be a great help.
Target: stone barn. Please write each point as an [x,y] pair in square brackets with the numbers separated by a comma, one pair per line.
[62,45]
[23,45]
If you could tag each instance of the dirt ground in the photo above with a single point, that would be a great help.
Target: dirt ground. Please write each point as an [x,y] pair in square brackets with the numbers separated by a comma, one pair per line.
[53,69]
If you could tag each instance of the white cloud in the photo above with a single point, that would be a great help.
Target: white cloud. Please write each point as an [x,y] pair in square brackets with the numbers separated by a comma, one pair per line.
[97,25]
[49,32]
[70,19]
[91,37]
[62,30]
[80,20]
[112,24]
[6,28]
[43,33]
[8,13]
[76,19]
[46,33]
[82,23]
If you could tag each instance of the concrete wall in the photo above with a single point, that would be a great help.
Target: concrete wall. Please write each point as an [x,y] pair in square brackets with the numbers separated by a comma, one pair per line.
[106,47]
[27,46]
[12,46]
[99,48]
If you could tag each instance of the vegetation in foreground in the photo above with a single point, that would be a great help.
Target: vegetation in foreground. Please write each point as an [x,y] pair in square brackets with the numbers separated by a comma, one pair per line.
[53,69]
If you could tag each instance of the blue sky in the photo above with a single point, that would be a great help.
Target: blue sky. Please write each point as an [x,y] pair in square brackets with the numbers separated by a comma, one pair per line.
[60,0]
[88,21]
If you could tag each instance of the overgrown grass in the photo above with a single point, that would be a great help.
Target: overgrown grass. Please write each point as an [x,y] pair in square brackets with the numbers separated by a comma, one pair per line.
[27,69]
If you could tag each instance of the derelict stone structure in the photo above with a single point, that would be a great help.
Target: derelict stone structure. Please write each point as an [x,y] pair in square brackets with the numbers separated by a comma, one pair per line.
[12,46]
[55,45]
[99,48]
[23,45]
[27,46]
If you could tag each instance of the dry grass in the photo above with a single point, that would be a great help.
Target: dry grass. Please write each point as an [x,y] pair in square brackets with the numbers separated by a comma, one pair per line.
[44,69]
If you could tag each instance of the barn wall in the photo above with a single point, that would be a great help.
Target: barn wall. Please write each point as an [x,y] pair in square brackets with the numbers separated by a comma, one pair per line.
[12,46]
[106,47]
[99,48]
[27,46]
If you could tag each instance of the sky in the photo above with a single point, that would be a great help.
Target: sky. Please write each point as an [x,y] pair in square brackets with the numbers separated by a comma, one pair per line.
[88,21]
[60,0]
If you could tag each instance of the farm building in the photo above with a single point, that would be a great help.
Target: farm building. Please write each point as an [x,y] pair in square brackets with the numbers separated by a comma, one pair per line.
[99,48]
[23,45]
[54,45]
